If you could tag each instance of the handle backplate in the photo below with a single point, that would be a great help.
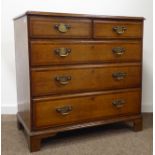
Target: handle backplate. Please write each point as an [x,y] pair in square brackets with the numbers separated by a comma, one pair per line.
[65,110]
[62,52]
[119,29]
[63,80]
[119,103]
[118,51]
[63,28]
[119,75]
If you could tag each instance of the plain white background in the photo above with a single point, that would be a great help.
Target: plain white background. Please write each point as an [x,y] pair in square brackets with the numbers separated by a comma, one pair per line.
[10,9]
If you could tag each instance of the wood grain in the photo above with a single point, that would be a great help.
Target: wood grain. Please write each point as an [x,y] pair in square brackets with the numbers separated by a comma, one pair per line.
[91,88]
[84,109]
[45,27]
[88,78]
[82,52]
[22,70]
[104,29]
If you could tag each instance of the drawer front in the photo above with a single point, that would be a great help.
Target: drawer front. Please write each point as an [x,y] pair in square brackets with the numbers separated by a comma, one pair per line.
[72,52]
[117,29]
[74,110]
[52,27]
[84,78]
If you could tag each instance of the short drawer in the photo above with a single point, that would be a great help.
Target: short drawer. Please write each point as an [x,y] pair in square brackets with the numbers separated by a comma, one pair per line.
[65,110]
[117,29]
[60,80]
[52,27]
[73,52]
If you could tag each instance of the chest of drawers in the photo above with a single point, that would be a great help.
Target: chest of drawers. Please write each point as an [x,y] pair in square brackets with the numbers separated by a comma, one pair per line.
[76,71]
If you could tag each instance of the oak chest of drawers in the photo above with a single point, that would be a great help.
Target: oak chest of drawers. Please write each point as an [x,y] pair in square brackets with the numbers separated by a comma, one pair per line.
[76,71]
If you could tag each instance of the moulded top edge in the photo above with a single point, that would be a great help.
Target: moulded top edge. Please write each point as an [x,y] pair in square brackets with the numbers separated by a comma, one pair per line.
[37,13]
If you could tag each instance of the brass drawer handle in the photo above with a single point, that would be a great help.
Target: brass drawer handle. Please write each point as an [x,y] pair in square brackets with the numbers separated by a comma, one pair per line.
[63,80]
[62,52]
[118,103]
[119,29]
[64,110]
[118,51]
[119,75]
[63,28]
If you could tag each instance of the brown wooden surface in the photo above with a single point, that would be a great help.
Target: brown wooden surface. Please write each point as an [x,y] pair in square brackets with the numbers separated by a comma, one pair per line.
[53,131]
[90,64]
[138,124]
[45,27]
[104,29]
[81,94]
[88,78]
[56,14]
[34,143]
[84,108]
[22,70]
[38,135]
[43,52]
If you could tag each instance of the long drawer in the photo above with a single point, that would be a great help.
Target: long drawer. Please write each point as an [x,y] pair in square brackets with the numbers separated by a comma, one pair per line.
[117,29]
[70,79]
[58,27]
[72,52]
[63,110]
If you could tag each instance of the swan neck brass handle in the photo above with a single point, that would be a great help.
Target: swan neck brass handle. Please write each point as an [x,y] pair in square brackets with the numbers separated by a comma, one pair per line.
[63,80]
[118,51]
[62,52]
[118,103]
[65,110]
[119,75]
[63,28]
[119,29]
